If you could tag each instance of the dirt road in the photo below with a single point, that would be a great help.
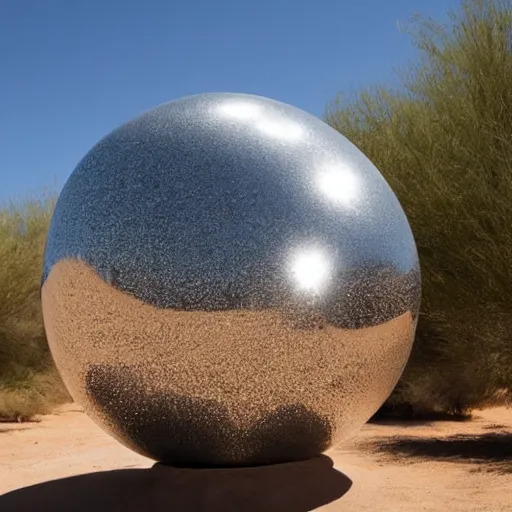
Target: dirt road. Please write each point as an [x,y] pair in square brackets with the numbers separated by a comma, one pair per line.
[441,466]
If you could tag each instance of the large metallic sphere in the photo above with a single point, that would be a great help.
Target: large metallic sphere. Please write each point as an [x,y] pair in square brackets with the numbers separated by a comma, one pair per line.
[229,281]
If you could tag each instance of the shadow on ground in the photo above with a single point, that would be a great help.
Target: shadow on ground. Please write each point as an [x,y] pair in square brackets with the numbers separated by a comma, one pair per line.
[294,487]
[407,417]
[489,452]
[13,427]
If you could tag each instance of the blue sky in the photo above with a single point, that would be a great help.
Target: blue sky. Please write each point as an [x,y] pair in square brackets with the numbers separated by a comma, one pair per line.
[72,71]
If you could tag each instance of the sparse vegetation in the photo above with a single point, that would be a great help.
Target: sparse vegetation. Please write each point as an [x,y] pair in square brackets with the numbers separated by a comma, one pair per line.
[29,383]
[444,143]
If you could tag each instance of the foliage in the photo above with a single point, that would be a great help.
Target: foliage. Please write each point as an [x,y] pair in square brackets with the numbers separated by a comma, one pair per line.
[26,369]
[443,141]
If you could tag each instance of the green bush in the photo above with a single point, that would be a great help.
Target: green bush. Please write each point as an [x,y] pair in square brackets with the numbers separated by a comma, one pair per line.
[443,141]
[29,383]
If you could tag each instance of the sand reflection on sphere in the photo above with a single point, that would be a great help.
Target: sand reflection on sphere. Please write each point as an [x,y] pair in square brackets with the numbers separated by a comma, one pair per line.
[228,281]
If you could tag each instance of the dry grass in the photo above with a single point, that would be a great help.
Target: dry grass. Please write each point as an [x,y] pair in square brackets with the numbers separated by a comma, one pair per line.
[38,395]
[29,383]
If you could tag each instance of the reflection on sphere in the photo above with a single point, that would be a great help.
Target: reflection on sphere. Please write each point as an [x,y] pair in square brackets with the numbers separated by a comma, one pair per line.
[229,281]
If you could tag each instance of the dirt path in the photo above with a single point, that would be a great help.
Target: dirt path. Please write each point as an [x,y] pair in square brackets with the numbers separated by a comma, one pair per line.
[442,466]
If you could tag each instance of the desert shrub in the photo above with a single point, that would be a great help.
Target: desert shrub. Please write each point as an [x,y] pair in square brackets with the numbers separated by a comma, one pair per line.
[443,141]
[38,394]
[29,383]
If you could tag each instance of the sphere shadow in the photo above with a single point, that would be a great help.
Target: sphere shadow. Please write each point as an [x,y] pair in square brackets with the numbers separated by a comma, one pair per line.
[295,487]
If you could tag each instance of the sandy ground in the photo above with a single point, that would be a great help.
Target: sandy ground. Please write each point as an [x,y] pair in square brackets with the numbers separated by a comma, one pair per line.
[440,466]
